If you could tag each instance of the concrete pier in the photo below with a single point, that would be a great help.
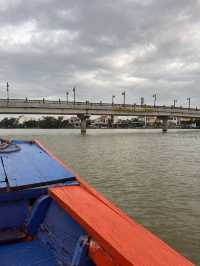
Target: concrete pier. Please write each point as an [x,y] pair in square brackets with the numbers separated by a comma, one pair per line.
[164,124]
[83,119]
[112,121]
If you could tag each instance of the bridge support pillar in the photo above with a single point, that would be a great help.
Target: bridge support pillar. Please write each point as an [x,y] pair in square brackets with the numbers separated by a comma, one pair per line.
[83,119]
[112,121]
[164,124]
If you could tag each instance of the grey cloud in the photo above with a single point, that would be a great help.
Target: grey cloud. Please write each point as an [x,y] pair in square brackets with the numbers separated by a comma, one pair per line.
[102,47]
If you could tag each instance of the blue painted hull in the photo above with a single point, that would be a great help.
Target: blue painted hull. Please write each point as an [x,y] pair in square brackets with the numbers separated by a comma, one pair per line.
[29,230]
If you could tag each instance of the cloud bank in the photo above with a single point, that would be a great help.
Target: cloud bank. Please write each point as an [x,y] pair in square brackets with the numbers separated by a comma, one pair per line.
[102,48]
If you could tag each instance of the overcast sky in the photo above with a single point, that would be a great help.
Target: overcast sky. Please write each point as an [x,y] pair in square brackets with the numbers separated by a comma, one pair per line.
[102,47]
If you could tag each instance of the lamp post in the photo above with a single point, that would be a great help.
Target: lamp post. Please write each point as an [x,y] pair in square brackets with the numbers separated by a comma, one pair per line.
[124,97]
[142,101]
[113,97]
[7,90]
[175,101]
[189,102]
[67,96]
[154,99]
[74,93]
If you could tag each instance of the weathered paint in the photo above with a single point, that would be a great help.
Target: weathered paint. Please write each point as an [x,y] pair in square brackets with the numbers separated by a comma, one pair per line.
[127,242]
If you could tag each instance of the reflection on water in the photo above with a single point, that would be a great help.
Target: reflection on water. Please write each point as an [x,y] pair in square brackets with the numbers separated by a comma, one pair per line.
[154,177]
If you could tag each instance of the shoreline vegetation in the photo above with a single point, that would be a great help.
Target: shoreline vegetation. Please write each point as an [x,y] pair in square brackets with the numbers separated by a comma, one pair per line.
[48,122]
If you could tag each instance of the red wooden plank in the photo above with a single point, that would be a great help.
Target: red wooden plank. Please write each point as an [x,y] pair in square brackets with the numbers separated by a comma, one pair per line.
[127,242]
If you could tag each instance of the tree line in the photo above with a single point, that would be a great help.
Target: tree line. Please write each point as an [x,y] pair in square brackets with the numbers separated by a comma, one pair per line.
[60,122]
[44,122]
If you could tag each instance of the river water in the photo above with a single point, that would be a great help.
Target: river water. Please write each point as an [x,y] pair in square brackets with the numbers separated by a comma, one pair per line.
[153,177]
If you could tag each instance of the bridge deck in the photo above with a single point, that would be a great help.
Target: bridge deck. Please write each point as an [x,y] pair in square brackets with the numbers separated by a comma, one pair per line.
[21,106]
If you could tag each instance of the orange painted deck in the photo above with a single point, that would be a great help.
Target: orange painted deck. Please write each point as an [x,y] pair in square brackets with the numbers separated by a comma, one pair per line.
[125,242]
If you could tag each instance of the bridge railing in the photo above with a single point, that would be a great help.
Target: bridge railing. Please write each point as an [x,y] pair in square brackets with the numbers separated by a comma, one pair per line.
[101,105]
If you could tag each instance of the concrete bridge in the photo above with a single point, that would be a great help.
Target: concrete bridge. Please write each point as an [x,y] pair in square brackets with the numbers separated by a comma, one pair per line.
[86,109]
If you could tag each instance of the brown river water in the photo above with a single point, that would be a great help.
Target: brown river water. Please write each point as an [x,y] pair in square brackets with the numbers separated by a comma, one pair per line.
[153,177]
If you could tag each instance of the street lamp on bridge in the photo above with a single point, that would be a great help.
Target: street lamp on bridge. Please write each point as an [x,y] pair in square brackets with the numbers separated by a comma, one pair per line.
[142,101]
[175,101]
[124,97]
[154,99]
[74,93]
[7,90]
[67,96]
[189,101]
[113,97]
